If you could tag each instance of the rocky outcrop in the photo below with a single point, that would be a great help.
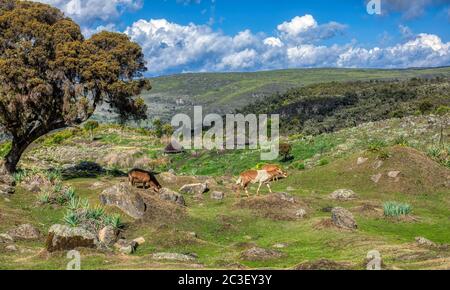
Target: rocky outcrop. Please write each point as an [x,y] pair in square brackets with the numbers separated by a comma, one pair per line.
[64,238]
[344,219]
[6,239]
[126,199]
[126,247]
[24,232]
[343,195]
[172,196]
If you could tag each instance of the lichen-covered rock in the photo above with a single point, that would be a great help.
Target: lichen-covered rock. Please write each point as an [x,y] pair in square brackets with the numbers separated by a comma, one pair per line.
[64,238]
[421,241]
[126,199]
[343,194]
[344,219]
[6,189]
[194,189]
[172,196]
[24,232]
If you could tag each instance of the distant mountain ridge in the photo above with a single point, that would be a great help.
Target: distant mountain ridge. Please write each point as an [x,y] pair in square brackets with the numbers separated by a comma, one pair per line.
[225,92]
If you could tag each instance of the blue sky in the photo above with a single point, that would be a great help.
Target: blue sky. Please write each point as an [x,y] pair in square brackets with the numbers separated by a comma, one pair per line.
[248,35]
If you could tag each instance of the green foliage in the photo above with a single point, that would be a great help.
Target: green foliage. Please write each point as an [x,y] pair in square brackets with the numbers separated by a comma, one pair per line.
[90,126]
[43,198]
[71,218]
[5,147]
[114,220]
[96,213]
[443,110]
[299,166]
[384,154]
[323,162]
[426,106]
[401,141]
[58,138]
[19,176]
[376,145]
[395,209]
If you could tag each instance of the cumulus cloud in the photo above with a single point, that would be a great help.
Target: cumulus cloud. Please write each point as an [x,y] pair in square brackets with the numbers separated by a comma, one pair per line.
[171,47]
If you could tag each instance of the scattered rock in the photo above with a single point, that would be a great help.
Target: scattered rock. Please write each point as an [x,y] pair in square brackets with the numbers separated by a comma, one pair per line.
[323,264]
[6,189]
[194,189]
[301,213]
[260,254]
[6,239]
[172,196]
[286,197]
[193,235]
[107,236]
[290,188]
[24,232]
[344,219]
[11,248]
[421,241]
[280,246]
[394,174]
[376,178]
[362,160]
[217,195]
[63,238]
[140,241]
[173,257]
[126,247]
[125,198]
[343,194]
[377,164]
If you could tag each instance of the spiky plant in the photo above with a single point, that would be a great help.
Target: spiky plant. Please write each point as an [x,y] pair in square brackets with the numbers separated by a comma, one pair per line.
[395,209]
[96,213]
[71,218]
[73,204]
[70,193]
[114,220]
[44,198]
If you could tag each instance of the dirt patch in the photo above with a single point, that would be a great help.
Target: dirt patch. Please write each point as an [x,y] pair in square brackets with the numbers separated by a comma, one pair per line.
[369,210]
[275,206]
[323,264]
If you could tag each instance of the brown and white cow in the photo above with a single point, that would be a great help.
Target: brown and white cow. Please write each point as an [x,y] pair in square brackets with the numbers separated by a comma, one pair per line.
[145,178]
[256,176]
[275,170]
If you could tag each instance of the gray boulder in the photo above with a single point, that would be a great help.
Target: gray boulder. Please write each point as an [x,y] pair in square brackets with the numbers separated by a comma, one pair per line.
[64,238]
[194,189]
[24,232]
[260,254]
[172,196]
[217,195]
[126,199]
[344,219]
[126,247]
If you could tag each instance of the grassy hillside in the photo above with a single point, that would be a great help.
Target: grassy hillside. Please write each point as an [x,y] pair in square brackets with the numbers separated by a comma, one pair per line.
[225,92]
[219,233]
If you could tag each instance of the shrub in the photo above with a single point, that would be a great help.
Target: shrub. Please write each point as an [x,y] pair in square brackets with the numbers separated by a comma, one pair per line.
[58,137]
[324,162]
[96,213]
[401,141]
[285,150]
[395,209]
[44,198]
[114,220]
[299,166]
[376,145]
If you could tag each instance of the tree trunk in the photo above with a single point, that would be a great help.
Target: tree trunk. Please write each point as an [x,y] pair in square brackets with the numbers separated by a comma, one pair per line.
[13,157]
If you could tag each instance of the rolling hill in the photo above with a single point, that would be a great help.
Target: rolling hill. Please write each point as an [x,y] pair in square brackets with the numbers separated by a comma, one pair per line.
[226,92]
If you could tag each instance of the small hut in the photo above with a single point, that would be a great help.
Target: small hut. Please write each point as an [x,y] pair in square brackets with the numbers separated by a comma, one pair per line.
[173,148]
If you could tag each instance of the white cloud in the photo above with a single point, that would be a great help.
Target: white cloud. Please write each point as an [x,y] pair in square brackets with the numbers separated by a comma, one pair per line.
[298,25]
[170,47]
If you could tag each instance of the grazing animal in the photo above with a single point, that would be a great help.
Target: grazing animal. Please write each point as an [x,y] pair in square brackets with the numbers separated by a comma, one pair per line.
[275,170]
[252,177]
[146,178]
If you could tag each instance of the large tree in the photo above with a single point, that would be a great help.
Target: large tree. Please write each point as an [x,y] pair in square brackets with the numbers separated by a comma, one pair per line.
[51,77]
